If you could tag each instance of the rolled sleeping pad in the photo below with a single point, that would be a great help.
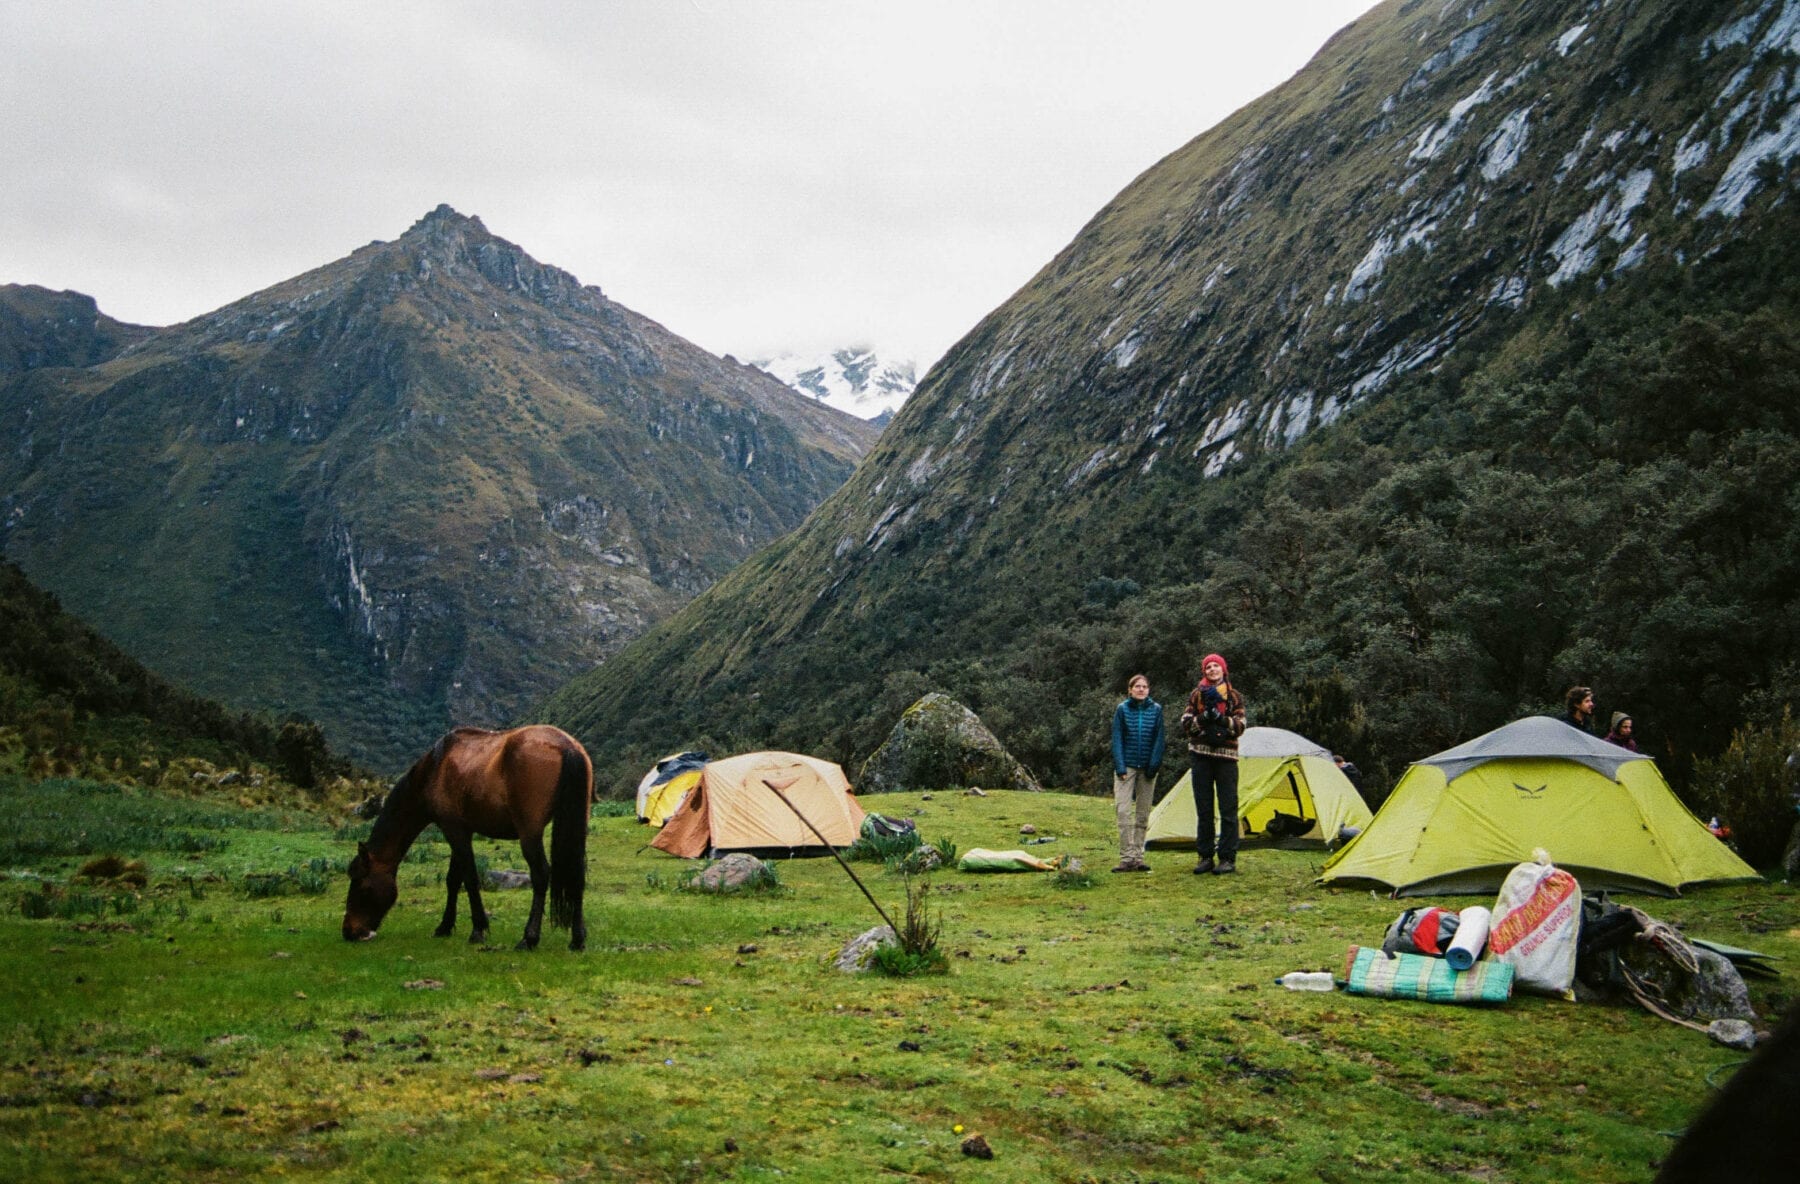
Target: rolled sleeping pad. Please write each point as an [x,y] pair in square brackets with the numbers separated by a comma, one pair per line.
[1471,937]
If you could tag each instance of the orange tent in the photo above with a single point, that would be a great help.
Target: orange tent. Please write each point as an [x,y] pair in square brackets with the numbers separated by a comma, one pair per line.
[733,810]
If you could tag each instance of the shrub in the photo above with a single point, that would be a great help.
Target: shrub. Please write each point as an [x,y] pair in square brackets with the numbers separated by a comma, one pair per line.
[917,950]
[882,848]
[1751,788]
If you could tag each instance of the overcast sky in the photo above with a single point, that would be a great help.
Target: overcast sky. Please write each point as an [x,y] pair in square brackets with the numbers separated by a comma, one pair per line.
[758,177]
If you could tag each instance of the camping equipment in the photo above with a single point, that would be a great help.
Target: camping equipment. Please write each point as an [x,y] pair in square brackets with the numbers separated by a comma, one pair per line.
[1458,821]
[1471,937]
[1537,923]
[1421,931]
[1288,788]
[731,808]
[980,859]
[1369,971]
[663,788]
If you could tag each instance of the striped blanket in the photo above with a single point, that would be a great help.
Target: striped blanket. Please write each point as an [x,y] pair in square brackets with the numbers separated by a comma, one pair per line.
[1369,971]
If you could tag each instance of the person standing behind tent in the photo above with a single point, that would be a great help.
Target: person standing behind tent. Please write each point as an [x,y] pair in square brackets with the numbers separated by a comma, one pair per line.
[1213,721]
[1578,709]
[1137,752]
[1621,732]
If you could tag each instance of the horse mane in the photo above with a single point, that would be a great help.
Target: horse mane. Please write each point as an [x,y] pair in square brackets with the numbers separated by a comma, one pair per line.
[405,791]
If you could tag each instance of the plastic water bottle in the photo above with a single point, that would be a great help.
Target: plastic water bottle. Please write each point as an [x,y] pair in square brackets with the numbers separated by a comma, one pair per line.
[1307,980]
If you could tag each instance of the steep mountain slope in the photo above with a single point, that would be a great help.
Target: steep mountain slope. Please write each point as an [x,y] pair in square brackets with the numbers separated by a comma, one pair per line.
[419,485]
[859,379]
[1188,429]
[74,704]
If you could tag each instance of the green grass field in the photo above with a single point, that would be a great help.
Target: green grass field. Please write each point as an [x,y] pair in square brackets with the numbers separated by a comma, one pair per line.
[213,1025]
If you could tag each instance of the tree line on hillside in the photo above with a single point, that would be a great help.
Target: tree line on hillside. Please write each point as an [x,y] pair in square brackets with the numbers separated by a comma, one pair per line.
[1607,496]
[76,702]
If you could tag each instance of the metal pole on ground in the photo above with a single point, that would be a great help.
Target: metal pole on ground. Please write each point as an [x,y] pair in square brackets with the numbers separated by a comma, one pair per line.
[815,830]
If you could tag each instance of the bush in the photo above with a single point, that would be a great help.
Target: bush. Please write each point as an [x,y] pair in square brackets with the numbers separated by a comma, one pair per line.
[917,951]
[1750,786]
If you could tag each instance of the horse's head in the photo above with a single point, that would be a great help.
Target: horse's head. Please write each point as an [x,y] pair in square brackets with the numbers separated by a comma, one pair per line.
[372,894]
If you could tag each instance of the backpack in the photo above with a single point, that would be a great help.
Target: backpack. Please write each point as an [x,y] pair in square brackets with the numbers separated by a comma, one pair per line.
[1421,931]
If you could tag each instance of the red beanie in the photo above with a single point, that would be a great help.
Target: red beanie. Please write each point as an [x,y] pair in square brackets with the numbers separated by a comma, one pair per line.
[1214,658]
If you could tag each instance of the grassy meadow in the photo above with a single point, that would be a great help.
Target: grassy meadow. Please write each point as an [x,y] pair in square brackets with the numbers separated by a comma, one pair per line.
[198,1017]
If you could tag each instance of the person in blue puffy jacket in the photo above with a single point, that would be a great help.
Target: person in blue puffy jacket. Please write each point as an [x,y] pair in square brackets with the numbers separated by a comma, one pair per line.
[1137,752]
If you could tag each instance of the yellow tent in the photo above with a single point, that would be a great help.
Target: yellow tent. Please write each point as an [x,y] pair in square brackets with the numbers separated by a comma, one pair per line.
[1458,821]
[1279,772]
[733,809]
[667,783]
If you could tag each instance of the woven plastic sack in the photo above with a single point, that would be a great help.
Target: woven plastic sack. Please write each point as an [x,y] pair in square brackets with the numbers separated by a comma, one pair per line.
[1536,926]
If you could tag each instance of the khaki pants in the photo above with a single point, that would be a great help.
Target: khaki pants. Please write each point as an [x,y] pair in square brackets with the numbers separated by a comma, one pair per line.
[1132,795]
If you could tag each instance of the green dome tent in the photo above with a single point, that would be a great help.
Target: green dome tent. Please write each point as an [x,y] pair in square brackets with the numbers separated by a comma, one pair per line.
[1458,821]
[1279,772]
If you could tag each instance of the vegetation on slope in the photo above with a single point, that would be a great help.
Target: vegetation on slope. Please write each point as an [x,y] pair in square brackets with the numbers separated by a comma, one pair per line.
[1595,486]
[72,704]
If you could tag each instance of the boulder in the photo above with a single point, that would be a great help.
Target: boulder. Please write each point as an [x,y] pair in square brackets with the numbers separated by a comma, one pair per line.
[854,957]
[1715,992]
[506,879]
[939,743]
[731,873]
[1790,859]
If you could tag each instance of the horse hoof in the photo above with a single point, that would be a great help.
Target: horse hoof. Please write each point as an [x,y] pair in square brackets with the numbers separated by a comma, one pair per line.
[526,943]
[478,938]
[443,931]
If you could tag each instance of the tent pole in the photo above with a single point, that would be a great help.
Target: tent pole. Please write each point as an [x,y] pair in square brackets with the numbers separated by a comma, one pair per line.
[815,830]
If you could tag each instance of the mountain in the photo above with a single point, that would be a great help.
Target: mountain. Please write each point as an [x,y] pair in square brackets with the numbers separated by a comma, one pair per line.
[74,704]
[858,379]
[1455,370]
[423,484]
[41,328]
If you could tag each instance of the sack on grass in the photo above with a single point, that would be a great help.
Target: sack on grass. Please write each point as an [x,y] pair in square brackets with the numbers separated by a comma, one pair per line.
[1537,926]
[1421,931]
[1369,971]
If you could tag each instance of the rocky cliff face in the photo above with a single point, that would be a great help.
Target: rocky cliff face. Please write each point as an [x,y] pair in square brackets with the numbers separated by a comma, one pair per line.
[1442,191]
[41,328]
[425,483]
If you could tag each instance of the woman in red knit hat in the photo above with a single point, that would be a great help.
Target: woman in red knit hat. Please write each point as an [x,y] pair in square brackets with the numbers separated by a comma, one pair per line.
[1213,721]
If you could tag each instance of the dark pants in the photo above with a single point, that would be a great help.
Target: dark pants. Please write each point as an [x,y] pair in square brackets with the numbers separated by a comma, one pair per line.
[1215,774]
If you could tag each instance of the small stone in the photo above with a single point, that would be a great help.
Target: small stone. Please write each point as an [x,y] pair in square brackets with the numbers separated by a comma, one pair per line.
[976,1147]
[425,984]
[731,1145]
[909,1046]
[748,947]
[975,792]
[1028,829]
[1733,1034]
[491,1074]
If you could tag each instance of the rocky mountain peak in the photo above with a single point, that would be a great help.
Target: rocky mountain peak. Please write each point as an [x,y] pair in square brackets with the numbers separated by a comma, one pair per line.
[457,244]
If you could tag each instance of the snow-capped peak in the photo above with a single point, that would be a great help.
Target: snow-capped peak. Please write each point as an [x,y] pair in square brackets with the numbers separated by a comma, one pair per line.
[856,379]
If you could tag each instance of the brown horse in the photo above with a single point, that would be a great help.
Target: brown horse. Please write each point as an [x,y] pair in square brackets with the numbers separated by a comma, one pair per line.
[503,785]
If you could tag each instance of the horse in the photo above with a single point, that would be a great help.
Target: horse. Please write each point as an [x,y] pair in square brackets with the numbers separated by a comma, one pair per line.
[502,785]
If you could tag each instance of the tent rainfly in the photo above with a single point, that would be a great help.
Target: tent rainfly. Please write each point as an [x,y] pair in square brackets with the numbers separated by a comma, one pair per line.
[1279,773]
[666,785]
[732,809]
[1458,821]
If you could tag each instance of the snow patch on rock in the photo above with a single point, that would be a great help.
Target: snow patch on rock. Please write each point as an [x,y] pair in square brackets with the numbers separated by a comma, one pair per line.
[1566,43]
[1434,138]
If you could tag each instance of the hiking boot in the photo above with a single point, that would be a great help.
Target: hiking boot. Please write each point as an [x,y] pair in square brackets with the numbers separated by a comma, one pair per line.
[1123,867]
[1204,867]
[1138,866]
[1227,867]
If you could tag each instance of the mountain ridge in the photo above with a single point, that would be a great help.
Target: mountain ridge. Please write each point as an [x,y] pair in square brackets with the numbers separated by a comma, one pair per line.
[1433,204]
[415,486]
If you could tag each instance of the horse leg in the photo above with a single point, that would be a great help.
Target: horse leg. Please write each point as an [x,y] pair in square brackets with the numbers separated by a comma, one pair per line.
[453,881]
[539,863]
[478,916]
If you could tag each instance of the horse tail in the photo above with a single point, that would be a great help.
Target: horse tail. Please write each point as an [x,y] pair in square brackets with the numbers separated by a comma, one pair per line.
[568,838]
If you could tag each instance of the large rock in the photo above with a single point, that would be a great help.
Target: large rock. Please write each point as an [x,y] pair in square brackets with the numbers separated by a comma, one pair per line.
[1790,859]
[1715,992]
[736,872]
[938,744]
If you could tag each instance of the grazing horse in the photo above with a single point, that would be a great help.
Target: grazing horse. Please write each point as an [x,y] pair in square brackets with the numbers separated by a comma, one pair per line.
[503,785]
